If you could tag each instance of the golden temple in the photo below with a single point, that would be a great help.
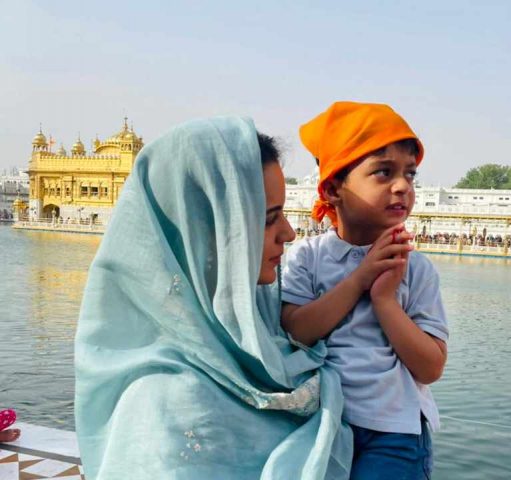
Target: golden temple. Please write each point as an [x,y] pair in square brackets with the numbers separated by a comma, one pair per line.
[79,187]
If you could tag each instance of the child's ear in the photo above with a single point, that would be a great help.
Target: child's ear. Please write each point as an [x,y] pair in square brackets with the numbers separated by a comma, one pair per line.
[331,191]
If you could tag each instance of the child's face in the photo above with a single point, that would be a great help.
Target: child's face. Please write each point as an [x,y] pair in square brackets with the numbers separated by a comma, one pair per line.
[377,194]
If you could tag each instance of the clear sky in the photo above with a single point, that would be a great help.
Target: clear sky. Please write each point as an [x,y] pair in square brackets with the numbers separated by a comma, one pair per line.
[82,66]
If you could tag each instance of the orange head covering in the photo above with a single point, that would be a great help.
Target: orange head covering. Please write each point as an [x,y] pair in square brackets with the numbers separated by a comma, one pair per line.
[346,132]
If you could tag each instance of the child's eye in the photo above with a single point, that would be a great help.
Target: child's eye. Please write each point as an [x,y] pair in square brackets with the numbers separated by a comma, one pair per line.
[412,173]
[382,172]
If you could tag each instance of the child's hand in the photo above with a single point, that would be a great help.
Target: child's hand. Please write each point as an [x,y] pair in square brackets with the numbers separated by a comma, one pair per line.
[389,251]
[386,284]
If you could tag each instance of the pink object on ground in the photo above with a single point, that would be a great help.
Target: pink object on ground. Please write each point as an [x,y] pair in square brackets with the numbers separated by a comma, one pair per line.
[7,418]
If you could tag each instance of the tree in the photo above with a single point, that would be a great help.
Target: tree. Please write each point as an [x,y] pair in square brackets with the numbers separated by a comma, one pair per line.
[487,176]
[291,181]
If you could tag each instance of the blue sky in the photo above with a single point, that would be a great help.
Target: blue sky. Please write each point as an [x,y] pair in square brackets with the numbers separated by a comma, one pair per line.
[80,67]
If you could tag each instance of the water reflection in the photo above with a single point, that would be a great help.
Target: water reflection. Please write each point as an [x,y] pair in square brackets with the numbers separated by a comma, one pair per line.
[57,270]
[469,259]
[44,277]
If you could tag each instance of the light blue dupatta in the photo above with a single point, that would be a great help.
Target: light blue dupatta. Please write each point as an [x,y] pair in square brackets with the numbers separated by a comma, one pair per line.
[182,370]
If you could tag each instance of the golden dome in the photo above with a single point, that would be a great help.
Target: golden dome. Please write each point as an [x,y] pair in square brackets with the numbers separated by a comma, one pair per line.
[125,135]
[39,140]
[131,136]
[118,137]
[78,147]
[61,151]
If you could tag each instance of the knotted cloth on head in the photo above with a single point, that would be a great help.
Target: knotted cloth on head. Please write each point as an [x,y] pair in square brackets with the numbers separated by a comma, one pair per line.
[346,132]
[182,370]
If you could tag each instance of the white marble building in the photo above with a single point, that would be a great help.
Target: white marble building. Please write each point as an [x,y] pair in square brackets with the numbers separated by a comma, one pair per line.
[12,184]
[440,209]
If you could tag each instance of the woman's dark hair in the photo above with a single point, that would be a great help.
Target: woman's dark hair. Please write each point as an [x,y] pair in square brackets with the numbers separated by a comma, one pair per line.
[269,150]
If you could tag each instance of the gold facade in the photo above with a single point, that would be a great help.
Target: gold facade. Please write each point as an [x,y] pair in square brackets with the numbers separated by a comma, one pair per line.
[80,186]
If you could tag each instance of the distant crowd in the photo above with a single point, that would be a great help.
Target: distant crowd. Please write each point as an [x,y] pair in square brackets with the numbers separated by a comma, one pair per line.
[453,239]
[435,238]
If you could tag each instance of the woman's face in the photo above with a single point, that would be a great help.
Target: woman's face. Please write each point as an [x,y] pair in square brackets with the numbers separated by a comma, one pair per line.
[277,230]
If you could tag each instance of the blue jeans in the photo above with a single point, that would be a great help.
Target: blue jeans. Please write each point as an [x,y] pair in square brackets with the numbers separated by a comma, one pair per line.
[391,456]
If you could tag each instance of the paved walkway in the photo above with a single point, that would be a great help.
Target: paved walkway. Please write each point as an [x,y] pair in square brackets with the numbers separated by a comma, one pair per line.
[60,227]
[41,452]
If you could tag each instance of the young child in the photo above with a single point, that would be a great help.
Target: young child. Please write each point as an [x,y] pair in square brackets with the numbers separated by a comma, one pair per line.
[362,287]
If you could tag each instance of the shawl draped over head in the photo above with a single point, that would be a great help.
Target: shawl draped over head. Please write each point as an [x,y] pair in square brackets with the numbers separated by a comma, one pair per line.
[346,132]
[182,370]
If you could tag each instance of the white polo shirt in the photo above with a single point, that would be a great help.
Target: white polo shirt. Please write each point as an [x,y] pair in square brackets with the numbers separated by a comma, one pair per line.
[380,392]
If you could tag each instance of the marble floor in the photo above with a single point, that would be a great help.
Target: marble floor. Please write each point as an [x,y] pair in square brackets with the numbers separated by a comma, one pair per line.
[21,466]
[41,452]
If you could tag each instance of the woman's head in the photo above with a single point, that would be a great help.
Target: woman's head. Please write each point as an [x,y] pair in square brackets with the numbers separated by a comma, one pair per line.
[224,203]
[191,222]
[277,230]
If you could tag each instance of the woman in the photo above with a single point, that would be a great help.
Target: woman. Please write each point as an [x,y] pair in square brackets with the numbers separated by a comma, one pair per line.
[182,369]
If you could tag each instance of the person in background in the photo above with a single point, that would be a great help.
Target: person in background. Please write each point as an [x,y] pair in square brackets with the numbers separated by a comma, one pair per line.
[363,288]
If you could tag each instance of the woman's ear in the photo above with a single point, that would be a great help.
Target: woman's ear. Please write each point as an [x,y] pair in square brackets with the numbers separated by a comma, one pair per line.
[331,191]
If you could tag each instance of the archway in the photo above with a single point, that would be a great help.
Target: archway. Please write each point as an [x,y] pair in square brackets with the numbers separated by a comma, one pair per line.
[51,212]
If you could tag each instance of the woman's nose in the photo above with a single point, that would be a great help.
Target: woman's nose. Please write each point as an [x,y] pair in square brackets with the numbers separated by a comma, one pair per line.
[288,234]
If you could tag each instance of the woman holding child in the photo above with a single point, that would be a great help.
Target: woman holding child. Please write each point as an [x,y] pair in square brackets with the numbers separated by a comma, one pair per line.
[183,370]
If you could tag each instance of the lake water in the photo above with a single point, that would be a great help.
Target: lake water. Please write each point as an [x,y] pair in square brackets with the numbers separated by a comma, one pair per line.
[41,280]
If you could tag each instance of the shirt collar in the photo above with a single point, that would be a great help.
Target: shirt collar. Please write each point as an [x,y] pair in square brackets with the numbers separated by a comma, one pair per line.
[339,248]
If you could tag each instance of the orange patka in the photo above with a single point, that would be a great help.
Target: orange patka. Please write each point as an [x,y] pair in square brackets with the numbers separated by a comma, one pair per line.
[345,133]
